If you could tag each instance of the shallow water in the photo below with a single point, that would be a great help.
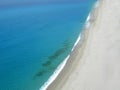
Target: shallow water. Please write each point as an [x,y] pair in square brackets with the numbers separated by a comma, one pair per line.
[35,39]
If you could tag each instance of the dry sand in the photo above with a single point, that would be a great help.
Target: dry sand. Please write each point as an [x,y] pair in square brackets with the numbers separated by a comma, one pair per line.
[98,65]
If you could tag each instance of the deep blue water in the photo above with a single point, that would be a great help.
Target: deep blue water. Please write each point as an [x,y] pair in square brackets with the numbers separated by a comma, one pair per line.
[35,39]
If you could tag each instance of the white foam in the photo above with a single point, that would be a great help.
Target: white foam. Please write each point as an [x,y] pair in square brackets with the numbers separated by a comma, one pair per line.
[55,74]
[88,20]
[87,23]
[76,42]
[97,4]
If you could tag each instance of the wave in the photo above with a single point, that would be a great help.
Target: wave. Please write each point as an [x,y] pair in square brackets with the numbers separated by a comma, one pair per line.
[62,65]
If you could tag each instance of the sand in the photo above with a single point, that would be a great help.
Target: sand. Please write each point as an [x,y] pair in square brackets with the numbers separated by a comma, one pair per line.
[95,65]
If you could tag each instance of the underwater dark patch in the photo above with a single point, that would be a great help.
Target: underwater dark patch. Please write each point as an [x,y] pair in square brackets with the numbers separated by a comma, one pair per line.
[59,52]
[51,59]
[40,73]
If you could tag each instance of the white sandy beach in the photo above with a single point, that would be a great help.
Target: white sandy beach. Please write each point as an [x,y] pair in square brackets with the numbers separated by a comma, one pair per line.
[97,63]
[99,67]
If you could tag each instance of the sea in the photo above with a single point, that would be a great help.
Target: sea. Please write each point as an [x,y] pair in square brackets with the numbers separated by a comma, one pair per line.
[36,39]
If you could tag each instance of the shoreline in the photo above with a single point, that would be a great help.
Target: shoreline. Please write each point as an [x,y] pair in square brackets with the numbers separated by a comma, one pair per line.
[76,53]
[98,68]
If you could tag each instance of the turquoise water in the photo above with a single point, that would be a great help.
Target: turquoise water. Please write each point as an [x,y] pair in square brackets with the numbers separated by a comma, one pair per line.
[35,39]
